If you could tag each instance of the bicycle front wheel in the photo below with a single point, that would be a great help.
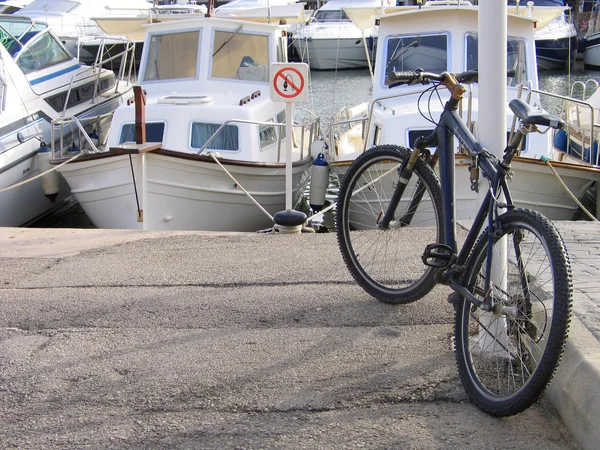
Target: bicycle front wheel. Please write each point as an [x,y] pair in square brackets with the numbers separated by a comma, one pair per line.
[507,358]
[387,263]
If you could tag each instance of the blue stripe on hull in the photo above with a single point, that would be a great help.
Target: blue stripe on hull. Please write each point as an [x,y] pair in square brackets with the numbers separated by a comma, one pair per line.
[54,75]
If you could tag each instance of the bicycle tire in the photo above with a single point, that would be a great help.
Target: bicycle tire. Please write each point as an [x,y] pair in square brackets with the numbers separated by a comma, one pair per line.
[396,275]
[506,361]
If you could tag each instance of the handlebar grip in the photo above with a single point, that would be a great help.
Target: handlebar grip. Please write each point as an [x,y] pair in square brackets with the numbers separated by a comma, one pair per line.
[471,76]
[403,77]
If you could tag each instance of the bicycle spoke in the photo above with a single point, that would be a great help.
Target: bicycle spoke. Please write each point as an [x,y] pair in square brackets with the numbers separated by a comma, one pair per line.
[508,356]
[386,261]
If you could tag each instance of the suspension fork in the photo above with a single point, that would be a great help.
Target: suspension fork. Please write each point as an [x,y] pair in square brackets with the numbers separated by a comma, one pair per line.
[405,174]
[498,187]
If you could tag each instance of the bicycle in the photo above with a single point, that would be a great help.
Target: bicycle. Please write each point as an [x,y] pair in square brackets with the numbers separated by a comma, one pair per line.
[512,283]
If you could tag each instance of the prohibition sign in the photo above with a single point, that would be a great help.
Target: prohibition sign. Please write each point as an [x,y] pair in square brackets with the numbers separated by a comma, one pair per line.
[289,77]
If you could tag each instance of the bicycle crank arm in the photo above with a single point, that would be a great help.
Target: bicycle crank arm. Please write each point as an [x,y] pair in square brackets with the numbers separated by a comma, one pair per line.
[465,293]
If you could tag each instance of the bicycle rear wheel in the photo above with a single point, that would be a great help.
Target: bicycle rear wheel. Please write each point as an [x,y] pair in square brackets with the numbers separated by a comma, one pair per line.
[387,263]
[506,360]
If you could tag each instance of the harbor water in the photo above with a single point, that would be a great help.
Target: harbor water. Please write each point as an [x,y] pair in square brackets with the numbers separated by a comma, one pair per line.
[330,91]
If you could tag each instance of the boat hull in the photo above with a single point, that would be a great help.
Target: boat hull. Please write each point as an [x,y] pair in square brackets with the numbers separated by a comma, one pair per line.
[533,186]
[181,192]
[332,53]
[553,54]
[591,54]
[24,204]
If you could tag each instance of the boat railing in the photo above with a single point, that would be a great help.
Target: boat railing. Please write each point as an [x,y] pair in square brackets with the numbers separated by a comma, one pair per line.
[59,124]
[366,117]
[580,117]
[583,85]
[311,129]
[124,75]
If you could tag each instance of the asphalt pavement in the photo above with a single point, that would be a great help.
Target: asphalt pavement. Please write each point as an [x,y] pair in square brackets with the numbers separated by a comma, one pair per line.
[131,339]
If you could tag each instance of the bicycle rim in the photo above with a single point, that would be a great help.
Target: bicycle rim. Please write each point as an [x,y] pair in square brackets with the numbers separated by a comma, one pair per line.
[387,263]
[506,360]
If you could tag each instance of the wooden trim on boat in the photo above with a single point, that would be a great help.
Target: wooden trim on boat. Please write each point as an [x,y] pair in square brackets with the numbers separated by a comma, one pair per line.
[517,159]
[130,148]
[155,148]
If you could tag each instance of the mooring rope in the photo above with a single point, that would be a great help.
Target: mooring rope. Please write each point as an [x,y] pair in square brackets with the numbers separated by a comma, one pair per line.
[241,187]
[40,175]
[583,208]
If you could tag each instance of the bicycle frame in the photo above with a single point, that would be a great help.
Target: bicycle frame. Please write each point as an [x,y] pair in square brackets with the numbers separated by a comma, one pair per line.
[449,126]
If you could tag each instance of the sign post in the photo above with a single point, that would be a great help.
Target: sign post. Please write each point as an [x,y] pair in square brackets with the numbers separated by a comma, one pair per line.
[288,84]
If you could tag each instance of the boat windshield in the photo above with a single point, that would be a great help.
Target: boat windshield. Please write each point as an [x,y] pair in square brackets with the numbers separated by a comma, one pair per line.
[15,33]
[430,53]
[516,57]
[331,16]
[30,44]
[44,52]
[410,52]
[173,56]
[240,56]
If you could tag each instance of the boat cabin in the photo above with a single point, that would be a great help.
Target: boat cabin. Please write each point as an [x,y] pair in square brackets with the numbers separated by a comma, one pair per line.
[209,75]
[437,39]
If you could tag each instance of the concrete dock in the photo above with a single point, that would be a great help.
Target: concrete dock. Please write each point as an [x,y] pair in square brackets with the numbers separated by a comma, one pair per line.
[130,339]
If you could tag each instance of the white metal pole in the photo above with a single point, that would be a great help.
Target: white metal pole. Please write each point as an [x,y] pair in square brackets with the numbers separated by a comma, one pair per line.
[492,29]
[288,154]
[492,74]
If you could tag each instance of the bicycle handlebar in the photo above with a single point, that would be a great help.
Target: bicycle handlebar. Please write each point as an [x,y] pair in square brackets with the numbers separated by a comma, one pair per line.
[419,76]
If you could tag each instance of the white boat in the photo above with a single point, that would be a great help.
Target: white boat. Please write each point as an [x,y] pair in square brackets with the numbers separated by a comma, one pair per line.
[331,41]
[72,22]
[40,81]
[556,42]
[219,148]
[591,44]
[441,38]
[580,140]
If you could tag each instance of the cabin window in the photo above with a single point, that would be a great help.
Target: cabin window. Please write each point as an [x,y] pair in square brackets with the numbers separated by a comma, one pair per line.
[154,132]
[227,139]
[44,52]
[268,135]
[407,53]
[516,57]
[172,56]
[376,135]
[240,56]
[413,135]
[81,94]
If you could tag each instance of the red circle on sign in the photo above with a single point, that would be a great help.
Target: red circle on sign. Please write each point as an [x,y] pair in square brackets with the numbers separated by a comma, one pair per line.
[281,74]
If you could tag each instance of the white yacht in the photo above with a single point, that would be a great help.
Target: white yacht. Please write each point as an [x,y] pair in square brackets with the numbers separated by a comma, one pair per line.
[442,36]
[591,44]
[556,42]
[214,157]
[331,41]
[41,82]
[72,22]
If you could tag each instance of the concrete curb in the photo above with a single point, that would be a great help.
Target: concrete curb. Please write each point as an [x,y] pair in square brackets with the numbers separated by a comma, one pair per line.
[575,390]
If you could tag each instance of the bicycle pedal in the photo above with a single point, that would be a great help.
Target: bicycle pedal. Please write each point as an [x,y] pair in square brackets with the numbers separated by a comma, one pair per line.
[438,255]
